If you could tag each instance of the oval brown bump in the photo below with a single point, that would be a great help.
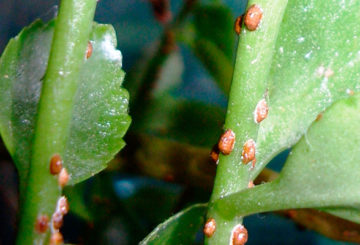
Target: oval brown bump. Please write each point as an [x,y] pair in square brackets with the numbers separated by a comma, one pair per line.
[214,154]
[55,164]
[89,50]
[42,223]
[226,142]
[63,177]
[261,111]
[56,238]
[237,25]
[57,220]
[253,17]
[209,227]
[239,235]
[63,205]
[249,150]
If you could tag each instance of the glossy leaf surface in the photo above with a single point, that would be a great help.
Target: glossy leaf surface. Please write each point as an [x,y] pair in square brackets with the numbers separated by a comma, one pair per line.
[99,118]
[180,228]
[321,171]
[316,62]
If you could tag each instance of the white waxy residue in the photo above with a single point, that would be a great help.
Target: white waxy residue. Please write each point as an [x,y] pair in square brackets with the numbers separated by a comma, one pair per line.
[110,51]
[301,39]
[320,71]
[308,55]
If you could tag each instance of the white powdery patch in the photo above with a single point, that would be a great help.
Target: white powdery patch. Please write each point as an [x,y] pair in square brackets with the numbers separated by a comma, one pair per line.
[109,50]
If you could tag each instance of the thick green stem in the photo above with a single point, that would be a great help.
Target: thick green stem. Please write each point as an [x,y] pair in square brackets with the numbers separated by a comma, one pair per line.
[249,86]
[60,83]
[276,196]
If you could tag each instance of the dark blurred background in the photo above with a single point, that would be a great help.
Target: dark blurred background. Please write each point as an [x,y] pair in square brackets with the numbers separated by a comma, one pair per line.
[178,58]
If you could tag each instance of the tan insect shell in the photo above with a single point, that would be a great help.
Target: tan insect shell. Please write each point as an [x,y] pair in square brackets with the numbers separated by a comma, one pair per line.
[210,227]
[89,50]
[226,142]
[214,154]
[253,17]
[56,238]
[261,111]
[55,164]
[239,235]
[57,220]
[63,177]
[63,205]
[249,150]
[237,25]
[42,223]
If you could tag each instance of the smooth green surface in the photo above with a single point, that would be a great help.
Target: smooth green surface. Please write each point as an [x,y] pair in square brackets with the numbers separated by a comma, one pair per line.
[22,67]
[180,228]
[99,118]
[321,172]
[249,86]
[88,134]
[314,37]
[53,115]
[213,41]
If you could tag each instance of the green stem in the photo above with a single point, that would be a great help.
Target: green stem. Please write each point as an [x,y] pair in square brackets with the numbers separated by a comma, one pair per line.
[276,196]
[60,83]
[249,85]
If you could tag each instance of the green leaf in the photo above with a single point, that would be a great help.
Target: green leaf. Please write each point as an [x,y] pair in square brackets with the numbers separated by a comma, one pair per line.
[351,214]
[321,171]
[218,65]
[76,198]
[99,118]
[180,228]
[191,122]
[214,41]
[316,62]
[214,22]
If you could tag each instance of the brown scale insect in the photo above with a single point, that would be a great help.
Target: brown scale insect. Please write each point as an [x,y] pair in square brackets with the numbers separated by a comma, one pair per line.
[56,238]
[57,220]
[55,164]
[239,235]
[319,117]
[226,142]
[214,154]
[350,92]
[209,227]
[42,223]
[261,111]
[63,205]
[89,50]
[251,184]
[249,150]
[63,177]
[237,25]
[253,17]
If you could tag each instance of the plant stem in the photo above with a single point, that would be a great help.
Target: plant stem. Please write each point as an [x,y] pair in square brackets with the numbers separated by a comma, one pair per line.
[249,85]
[60,83]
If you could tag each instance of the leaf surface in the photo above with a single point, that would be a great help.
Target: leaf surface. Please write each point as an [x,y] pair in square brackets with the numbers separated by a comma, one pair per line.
[100,116]
[316,63]
[180,228]
[321,171]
